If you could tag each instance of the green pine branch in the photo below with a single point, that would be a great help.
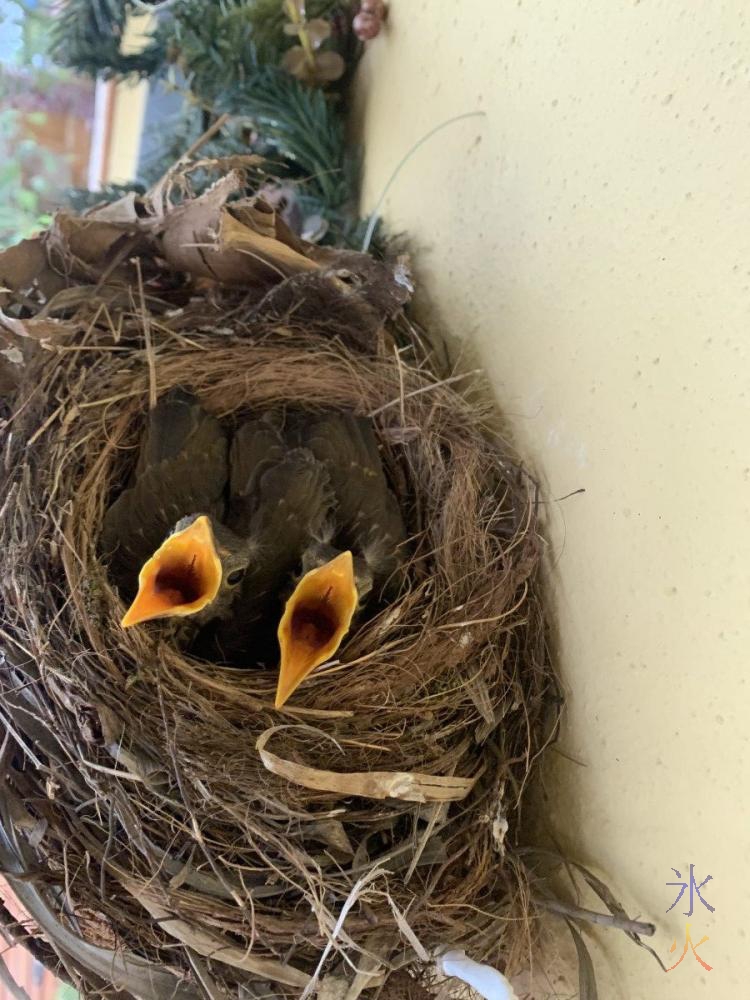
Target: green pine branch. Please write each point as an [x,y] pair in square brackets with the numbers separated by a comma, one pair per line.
[304,126]
[87,36]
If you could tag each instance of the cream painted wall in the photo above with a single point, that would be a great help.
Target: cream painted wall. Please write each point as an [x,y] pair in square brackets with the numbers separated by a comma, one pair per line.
[590,238]
[127,122]
[129,109]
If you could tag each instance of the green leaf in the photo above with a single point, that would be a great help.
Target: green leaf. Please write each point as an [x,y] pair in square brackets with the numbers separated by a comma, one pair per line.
[27,200]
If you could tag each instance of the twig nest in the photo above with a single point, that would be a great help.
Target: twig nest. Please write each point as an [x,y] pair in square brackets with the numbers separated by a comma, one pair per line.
[228,848]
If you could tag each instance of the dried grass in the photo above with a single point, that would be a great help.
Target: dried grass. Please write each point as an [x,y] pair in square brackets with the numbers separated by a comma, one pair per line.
[138,790]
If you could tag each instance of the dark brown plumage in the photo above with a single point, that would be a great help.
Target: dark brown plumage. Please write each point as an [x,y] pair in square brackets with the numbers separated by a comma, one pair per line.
[182,469]
[279,499]
[276,504]
[367,519]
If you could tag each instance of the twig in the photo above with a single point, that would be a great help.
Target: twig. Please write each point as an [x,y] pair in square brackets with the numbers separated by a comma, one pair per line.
[150,357]
[593,917]
[425,388]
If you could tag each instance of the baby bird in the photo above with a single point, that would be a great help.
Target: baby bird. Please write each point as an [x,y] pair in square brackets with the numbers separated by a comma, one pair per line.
[177,491]
[355,554]
[244,521]
[279,499]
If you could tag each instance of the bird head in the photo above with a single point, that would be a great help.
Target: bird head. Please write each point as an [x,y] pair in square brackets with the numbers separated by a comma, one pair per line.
[316,618]
[195,570]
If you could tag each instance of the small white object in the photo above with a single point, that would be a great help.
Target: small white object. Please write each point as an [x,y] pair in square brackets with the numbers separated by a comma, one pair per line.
[488,982]
[13,355]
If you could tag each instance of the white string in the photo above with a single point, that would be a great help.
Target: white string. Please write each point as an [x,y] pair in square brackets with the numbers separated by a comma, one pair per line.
[402,162]
[488,982]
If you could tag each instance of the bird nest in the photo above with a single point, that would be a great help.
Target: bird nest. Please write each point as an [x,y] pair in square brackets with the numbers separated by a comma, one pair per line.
[169,832]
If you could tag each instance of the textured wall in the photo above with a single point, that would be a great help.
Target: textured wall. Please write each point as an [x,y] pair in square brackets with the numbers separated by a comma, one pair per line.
[589,237]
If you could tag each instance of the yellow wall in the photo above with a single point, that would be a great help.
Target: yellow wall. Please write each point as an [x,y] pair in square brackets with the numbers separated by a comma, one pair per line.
[590,238]
[128,111]
[127,119]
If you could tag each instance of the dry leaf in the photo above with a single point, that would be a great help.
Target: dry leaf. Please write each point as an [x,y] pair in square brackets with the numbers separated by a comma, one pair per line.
[325,67]
[24,267]
[408,786]
[332,833]
[277,255]
[407,932]
[318,30]
[587,989]
[245,243]
[329,66]
[123,210]
[45,331]
[85,248]
[294,61]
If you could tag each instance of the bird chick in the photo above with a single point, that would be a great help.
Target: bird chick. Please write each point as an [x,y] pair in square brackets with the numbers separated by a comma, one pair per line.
[279,498]
[355,555]
[165,529]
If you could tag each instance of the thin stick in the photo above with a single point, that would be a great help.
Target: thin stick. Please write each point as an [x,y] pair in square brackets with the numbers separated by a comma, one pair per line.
[150,358]
[593,917]
[425,388]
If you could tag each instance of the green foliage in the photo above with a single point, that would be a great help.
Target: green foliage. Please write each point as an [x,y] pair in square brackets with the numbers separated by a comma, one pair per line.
[302,125]
[87,36]
[214,44]
[217,43]
[269,19]
[229,52]
[26,180]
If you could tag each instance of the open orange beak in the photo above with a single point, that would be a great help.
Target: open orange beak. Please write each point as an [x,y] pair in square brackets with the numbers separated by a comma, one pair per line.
[181,578]
[316,618]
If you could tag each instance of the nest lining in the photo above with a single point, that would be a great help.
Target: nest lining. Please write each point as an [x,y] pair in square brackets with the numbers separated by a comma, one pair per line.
[161,806]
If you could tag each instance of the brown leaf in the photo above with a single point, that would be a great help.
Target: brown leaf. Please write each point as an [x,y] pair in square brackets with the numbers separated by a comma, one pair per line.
[25,266]
[46,331]
[318,30]
[87,248]
[245,243]
[277,255]
[294,61]
[123,210]
[329,66]
[332,833]
[587,989]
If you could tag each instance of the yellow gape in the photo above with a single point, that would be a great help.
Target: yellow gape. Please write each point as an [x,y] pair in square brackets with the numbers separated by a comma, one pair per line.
[181,578]
[316,619]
